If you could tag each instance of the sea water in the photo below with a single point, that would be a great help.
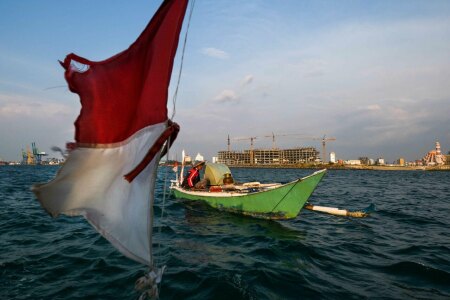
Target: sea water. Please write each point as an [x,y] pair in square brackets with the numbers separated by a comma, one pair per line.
[401,251]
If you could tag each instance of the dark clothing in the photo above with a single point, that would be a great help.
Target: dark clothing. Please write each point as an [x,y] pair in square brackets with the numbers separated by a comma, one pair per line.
[192,178]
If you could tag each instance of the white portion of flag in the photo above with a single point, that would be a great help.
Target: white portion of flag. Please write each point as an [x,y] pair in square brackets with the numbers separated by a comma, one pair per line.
[91,184]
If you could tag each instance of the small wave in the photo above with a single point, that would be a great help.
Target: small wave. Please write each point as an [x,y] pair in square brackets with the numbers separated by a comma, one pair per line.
[419,274]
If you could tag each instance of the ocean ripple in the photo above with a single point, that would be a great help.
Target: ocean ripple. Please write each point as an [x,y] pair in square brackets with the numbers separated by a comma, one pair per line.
[402,251]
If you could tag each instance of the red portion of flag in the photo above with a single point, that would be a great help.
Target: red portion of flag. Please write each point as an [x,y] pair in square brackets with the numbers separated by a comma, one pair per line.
[127,92]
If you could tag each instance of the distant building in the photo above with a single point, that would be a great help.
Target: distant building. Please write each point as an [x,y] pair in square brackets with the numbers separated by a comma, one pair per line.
[199,157]
[269,156]
[187,159]
[401,161]
[214,159]
[353,162]
[380,161]
[371,161]
[434,157]
[364,160]
[54,161]
[332,157]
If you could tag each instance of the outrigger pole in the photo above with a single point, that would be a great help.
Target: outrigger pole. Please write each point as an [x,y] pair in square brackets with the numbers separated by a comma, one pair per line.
[342,212]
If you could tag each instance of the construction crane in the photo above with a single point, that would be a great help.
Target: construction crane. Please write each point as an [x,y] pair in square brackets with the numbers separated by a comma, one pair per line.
[274,145]
[24,157]
[251,138]
[37,154]
[30,157]
[324,140]
[273,135]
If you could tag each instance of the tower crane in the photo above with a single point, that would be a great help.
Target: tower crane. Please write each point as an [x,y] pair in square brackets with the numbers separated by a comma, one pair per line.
[324,140]
[274,145]
[273,135]
[251,138]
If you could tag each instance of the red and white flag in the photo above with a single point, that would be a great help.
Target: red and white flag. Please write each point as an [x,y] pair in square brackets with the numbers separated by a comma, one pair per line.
[110,172]
[175,167]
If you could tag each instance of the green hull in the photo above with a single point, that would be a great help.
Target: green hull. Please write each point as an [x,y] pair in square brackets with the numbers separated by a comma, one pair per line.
[282,202]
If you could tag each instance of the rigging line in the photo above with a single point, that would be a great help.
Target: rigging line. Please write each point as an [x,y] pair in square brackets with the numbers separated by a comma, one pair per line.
[164,196]
[285,195]
[168,142]
[55,87]
[150,222]
[174,99]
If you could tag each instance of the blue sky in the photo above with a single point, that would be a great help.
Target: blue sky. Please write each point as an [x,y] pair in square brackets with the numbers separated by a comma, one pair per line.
[373,74]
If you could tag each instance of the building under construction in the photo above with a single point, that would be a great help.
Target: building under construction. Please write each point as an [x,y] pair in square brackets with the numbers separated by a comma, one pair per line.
[294,156]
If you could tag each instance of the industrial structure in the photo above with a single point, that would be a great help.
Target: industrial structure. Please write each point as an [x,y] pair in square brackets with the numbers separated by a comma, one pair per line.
[33,156]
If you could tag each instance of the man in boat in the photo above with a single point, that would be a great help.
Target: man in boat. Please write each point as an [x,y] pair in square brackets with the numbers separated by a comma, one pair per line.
[192,181]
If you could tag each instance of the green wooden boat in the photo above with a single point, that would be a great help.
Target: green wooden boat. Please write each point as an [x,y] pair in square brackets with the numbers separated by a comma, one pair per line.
[266,201]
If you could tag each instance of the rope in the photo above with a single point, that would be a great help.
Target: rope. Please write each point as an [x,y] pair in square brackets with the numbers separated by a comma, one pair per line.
[174,99]
[148,284]
[55,87]
[285,195]
[153,278]
[164,198]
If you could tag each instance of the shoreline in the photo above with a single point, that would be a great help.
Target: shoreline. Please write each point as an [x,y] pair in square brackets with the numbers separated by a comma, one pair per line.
[314,166]
[346,167]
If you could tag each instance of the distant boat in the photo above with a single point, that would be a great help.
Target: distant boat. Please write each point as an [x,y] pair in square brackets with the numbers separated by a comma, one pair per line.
[266,201]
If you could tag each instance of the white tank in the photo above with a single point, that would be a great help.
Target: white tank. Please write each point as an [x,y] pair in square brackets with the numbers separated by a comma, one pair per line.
[332,157]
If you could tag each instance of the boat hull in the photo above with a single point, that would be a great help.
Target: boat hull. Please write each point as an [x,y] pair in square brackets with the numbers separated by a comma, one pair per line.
[282,202]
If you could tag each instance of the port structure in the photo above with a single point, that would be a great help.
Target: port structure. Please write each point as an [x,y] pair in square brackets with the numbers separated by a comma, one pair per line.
[37,154]
[27,157]
[33,156]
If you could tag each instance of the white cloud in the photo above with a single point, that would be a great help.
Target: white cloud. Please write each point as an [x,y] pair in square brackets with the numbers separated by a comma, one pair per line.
[19,106]
[232,95]
[216,53]
[227,96]
[373,107]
